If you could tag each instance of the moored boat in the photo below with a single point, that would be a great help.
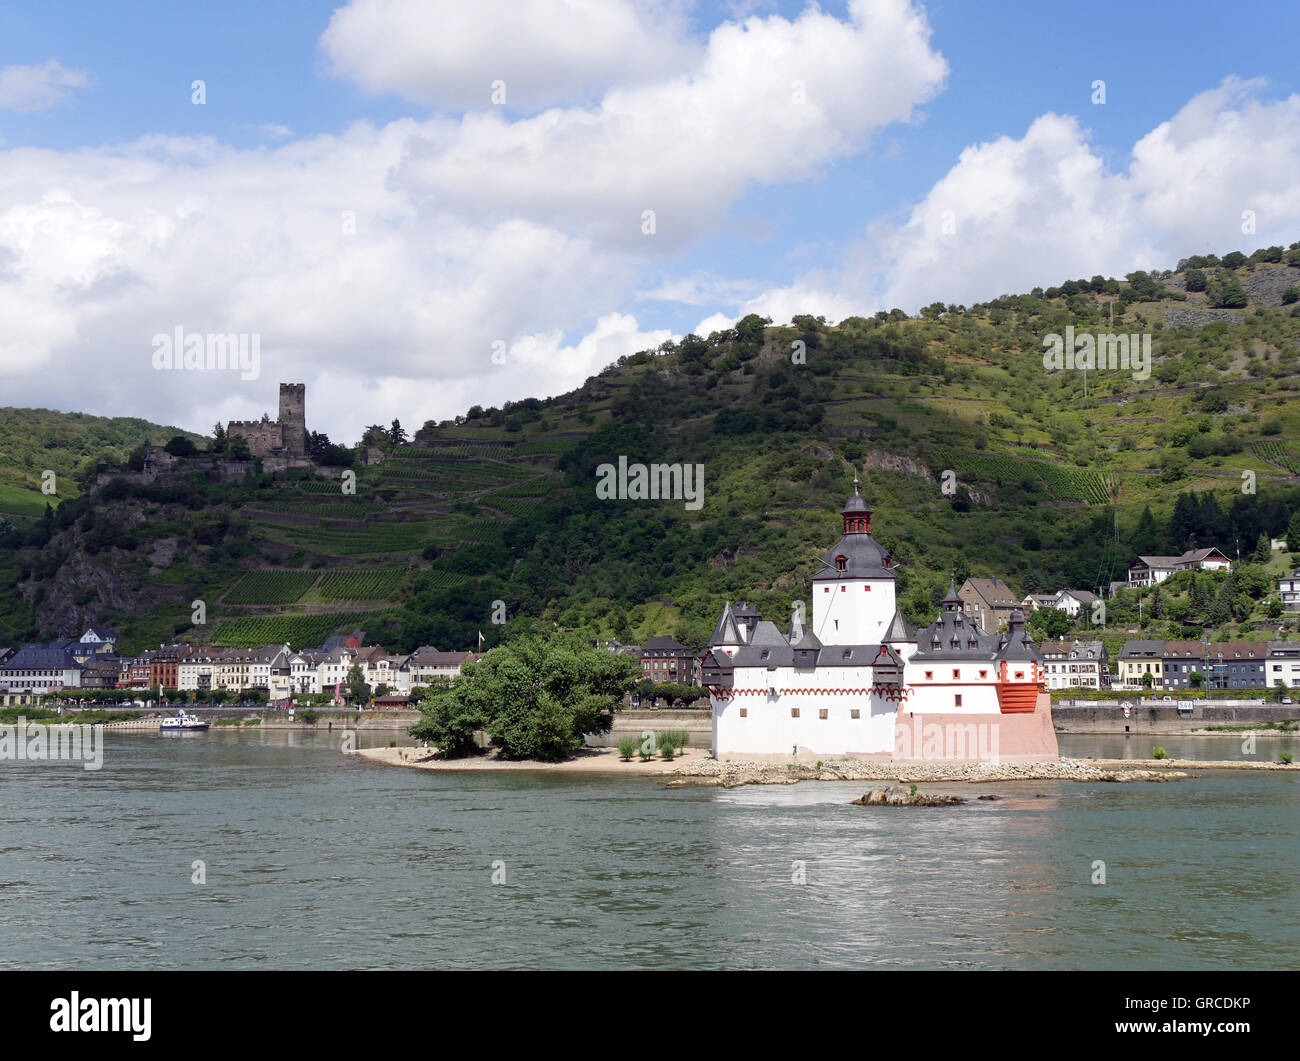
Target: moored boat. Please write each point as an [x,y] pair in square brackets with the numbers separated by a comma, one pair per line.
[182,721]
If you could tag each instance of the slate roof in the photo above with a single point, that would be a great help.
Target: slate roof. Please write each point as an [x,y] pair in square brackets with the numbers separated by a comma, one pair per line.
[899,629]
[664,646]
[954,635]
[994,592]
[782,655]
[1018,645]
[1073,650]
[54,656]
[726,632]
[864,558]
[1142,649]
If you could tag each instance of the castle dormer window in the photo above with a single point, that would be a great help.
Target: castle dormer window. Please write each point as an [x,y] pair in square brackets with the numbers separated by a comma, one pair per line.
[841,563]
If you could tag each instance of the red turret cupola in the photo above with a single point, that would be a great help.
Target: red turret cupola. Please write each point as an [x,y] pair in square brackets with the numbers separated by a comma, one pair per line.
[857,513]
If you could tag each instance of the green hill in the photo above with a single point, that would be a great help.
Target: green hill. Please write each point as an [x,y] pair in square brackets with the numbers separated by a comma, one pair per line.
[1053,480]
[34,441]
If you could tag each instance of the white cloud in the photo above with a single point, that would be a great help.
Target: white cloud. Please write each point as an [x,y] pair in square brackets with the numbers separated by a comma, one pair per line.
[38,88]
[448,53]
[380,265]
[1013,214]
[771,100]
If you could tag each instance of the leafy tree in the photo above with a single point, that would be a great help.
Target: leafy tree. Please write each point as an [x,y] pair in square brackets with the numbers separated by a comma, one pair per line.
[534,696]
[1195,280]
[356,684]
[1050,623]
[1290,295]
[397,433]
[218,439]
[1227,293]
[237,448]
[180,446]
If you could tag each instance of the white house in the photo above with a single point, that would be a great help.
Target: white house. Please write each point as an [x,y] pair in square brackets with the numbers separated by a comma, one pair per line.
[1288,589]
[1150,570]
[859,680]
[1282,665]
[1072,601]
[1076,665]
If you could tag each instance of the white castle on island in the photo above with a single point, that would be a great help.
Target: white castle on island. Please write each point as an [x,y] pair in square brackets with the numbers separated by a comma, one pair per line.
[860,681]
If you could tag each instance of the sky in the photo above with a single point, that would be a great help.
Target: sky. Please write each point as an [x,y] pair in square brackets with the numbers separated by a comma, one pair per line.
[415,207]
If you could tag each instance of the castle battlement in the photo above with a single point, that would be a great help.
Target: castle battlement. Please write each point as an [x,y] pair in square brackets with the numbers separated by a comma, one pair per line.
[284,437]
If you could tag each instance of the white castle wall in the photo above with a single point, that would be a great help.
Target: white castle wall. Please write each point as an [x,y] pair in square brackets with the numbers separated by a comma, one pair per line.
[768,699]
[852,611]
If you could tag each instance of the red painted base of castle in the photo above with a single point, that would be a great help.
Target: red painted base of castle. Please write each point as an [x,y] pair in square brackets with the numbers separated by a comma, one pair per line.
[1019,736]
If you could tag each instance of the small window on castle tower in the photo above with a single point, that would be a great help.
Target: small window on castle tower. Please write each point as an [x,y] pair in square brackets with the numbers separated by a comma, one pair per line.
[855,713]
[956,700]
[841,562]
[821,713]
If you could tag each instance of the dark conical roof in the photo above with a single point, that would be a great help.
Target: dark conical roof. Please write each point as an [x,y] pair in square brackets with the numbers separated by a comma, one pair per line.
[899,629]
[726,632]
[1018,645]
[856,506]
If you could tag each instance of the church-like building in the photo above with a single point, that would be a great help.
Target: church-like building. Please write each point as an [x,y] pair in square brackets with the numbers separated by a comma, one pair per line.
[859,680]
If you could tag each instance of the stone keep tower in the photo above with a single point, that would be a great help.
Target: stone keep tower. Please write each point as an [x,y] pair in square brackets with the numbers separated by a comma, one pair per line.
[293,418]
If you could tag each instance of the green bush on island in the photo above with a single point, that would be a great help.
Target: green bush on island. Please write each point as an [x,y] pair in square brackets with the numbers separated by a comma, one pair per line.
[534,697]
[1287,757]
[1159,753]
[627,747]
[667,750]
[678,738]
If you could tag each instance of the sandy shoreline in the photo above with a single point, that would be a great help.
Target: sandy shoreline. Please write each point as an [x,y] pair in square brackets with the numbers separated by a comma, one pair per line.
[590,761]
[695,766]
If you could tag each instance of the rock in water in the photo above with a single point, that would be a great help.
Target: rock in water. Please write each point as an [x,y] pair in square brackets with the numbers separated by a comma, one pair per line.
[901,797]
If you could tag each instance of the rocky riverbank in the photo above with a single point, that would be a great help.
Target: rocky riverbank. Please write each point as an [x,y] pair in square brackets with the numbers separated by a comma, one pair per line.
[729,773]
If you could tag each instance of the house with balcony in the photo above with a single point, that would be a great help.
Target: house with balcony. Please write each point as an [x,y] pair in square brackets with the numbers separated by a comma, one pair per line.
[1236,665]
[1152,570]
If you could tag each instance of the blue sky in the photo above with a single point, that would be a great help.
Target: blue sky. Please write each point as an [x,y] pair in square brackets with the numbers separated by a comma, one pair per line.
[836,235]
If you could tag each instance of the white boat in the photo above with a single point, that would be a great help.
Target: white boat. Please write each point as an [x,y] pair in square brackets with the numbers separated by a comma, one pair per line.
[182,721]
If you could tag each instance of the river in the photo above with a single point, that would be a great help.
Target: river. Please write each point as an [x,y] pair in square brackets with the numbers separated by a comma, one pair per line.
[313,859]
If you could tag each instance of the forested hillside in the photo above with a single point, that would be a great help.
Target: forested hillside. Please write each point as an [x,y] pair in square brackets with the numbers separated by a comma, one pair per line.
[976,458]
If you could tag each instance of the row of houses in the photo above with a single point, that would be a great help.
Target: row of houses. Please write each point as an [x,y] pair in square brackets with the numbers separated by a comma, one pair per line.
[1221,665]
[278,670]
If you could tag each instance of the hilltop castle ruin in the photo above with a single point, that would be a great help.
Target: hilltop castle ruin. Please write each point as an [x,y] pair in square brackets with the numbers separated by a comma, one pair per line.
[284,437]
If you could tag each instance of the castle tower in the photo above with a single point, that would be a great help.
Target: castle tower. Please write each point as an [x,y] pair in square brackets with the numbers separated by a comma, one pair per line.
[293,418]
[853,593]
